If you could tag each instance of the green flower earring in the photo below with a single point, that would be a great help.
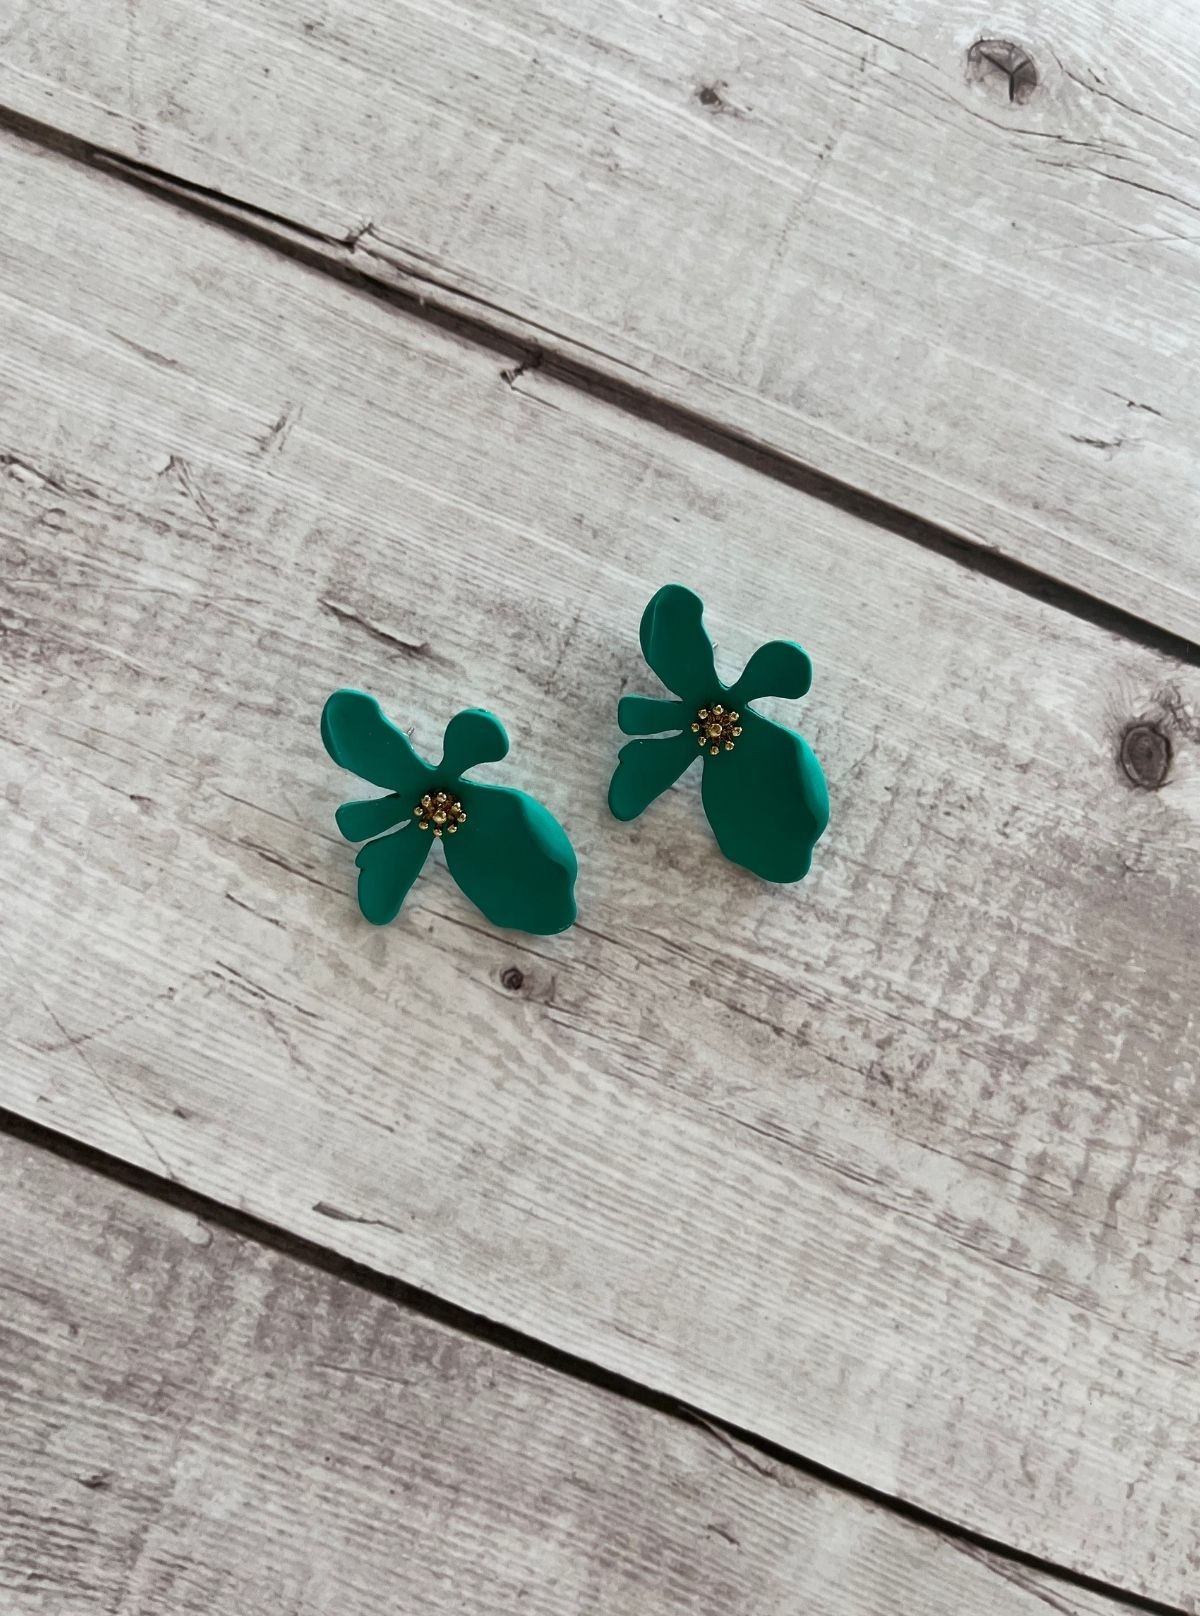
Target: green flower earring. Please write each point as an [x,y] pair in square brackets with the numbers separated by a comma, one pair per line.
[509,855]
[764,792]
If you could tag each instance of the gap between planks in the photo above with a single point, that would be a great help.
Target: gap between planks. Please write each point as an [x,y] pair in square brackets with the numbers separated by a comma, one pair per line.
[757,1452]
[349,261]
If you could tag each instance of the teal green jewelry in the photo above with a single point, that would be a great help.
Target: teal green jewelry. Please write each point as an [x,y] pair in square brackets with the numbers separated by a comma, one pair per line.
[764,793]
[509,855]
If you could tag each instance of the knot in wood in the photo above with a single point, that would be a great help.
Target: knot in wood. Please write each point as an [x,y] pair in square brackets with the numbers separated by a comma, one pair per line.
[512,978]
[1003,69]
[1145,755]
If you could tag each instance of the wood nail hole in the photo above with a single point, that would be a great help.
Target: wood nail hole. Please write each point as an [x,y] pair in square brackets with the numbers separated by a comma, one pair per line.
[1003,69]
[1145,756]
[714,97]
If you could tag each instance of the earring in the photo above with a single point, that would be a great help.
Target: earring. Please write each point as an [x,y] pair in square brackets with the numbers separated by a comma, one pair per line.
[764,793]
[509,855]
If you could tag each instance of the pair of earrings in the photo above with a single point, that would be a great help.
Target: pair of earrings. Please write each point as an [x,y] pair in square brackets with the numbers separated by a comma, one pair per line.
[764,793]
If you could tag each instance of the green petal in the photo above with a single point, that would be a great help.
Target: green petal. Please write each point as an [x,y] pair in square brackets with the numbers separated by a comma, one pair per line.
[361,739]
[513,860]
[644,771]
[472,736]
[387,869]
[779,668]
[766,800]
[651,715]
[359,821]
[676,646]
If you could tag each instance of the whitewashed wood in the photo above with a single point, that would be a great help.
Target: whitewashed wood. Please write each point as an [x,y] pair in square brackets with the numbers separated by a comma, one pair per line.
[813,223]
[898,1167]
[195,1423]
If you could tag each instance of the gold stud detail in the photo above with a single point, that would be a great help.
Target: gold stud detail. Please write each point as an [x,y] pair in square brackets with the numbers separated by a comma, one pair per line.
[716,729]
[439,812]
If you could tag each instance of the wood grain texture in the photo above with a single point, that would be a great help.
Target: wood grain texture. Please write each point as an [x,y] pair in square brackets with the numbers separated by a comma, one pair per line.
[195,1423]
[897,1167]
[826,226]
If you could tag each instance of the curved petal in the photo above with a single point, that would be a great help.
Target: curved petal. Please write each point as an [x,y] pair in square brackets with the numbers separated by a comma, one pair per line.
[766,800]
[361,739]
[645,769]
[779,668]
[371,816]
[651,715]
[513,860]
[387,868]
[472,736]
[676,645]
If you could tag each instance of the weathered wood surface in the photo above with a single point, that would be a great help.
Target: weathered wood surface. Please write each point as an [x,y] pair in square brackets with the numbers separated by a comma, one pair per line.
[829,227]
[195,1423]
[898,1168]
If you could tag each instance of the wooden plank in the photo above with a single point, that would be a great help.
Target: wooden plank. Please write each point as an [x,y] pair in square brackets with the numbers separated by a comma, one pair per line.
[827,227]
[897,1168]
[196,1423]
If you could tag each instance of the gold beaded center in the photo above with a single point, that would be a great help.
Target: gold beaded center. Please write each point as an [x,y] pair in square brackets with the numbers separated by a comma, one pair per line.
[716,729]
[438,811]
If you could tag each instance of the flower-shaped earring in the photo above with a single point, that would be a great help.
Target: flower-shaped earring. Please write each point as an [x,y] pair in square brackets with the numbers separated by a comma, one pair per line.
[763,791]
[509,855]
